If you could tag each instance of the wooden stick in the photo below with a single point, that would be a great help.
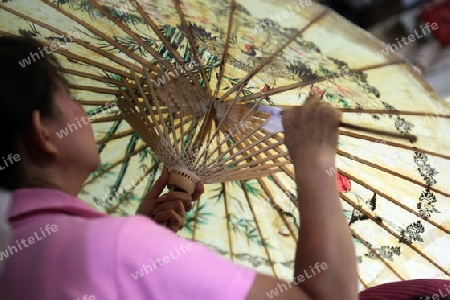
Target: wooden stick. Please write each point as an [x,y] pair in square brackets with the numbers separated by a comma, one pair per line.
[393,112]
[411,138]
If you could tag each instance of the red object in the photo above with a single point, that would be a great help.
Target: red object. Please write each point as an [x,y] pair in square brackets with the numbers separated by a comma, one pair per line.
[343,183]
[265,88]
[316,90]
[249,49]
[438,11]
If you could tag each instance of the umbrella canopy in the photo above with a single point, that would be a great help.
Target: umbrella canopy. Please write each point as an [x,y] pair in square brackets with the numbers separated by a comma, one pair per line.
[179,83]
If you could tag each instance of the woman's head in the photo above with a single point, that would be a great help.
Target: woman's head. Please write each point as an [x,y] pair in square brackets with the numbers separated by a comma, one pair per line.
[36,105]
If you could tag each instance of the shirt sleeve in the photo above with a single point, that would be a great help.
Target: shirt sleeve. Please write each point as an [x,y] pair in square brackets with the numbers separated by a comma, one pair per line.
[154,263]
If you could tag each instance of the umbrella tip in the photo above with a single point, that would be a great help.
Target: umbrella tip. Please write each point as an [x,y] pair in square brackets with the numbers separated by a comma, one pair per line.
[412,138]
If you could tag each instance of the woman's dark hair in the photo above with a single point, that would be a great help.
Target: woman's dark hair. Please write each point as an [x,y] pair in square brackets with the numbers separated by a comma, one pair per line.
[29,77]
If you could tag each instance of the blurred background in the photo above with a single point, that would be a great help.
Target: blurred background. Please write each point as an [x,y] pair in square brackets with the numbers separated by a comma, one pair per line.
[402,25]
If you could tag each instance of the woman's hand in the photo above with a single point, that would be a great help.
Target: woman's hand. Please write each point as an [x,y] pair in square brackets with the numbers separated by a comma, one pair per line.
[169,209]
[311,130]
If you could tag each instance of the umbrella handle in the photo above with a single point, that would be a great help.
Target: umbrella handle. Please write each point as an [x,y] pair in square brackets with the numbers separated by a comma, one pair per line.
[180,182]
[171,188]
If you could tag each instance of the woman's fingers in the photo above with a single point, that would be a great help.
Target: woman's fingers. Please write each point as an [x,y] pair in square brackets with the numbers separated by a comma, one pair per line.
[175,205]
[199,190]
[312,99]
[171,196]
[171,217]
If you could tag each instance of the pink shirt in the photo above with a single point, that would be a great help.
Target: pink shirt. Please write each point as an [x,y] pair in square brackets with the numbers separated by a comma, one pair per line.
[70,251]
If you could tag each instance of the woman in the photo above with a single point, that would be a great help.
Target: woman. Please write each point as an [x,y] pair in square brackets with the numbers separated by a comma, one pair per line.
[63,249]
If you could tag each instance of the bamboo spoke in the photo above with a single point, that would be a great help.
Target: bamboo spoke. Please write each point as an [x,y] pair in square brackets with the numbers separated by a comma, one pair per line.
[193,44]
[108,119]
[116,136]
[398,203]
[98,33]
[394,173]
[166,43]
[226,48]
[301,84]
[94,89]
[372,250]
[95,77]
[258,227]
[266,61]
[80,42]
[137,38]
[391,232]
[392,144]
[394,112]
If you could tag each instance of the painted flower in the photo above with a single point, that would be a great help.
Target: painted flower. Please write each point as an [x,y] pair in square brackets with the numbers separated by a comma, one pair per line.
[344,184]
[317,90]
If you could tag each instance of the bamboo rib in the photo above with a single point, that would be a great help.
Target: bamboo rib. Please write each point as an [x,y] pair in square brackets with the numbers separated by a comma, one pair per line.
[252,159]
[272,199]
[278,209]
[95,77]
[88,61]
[410,138]
[222,121]
[219,160]
[283,168]
[95,102]
[227,213]
[258,227]
[245,137]
[82,43]
[94,89]
[399,204]
[174,135]
[258,127]
[256,150]
[99,33]
[372,250]
[394,112]
[396,174]
[301,84]
[256,173]
[345,154]
[266,61]
[161,131]
[165,130]
[227,47]
[362,282]
[421,253]
[116,136]
[393,144]
[165,42]
[135,117]
[192,43]
[108,119]
[148,136]
[136,37]
[241,84]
